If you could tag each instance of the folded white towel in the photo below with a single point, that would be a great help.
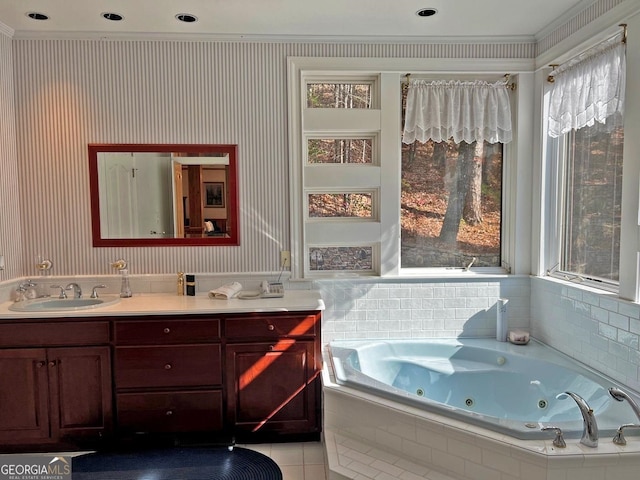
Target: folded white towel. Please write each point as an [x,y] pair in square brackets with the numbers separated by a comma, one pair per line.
[225,292]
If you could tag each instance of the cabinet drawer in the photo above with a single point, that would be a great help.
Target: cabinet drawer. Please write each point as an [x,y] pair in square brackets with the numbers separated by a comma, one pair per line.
[272,326]
[170,411]
[168,366]
[54,334]
[165,332]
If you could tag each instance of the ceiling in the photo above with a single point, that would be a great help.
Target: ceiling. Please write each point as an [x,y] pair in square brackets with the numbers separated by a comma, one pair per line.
[386,20]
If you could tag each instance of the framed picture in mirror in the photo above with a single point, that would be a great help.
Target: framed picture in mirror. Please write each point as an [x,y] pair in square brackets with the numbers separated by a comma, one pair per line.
[214,194]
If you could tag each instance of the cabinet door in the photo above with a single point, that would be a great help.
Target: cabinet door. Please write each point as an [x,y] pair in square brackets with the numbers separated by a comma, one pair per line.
[80,384]
[273,387]
[24,396]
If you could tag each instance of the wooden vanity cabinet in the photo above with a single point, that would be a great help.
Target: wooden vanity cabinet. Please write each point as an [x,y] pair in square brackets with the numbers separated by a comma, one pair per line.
[60,391]
[168,375]
[273,364]
[255,376]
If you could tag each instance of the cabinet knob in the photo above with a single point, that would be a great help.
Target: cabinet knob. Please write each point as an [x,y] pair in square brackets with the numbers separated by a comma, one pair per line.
[52,363]
[168,413]
[41,364]
[167,330]
[167,366]
[271,328]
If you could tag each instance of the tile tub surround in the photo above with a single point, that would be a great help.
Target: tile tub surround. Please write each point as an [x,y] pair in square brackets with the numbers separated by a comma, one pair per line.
[366,435]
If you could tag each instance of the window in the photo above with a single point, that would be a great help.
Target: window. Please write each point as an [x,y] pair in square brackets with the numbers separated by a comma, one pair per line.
[451,196]
[585,107]
[363,203]
[591,221]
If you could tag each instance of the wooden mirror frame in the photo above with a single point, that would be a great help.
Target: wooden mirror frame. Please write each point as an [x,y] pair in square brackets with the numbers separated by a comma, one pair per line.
[232,237]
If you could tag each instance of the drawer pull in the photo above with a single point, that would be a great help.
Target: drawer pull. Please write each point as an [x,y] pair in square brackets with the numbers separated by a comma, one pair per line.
[168,413]
[271,347]
[167,366]
[271,328]
[167,330]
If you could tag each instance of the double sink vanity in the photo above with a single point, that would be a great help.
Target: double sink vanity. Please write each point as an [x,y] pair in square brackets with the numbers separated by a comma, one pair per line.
[160,365]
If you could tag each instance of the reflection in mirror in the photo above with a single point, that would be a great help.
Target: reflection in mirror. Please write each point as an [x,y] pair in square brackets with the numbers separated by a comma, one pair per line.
[160,194]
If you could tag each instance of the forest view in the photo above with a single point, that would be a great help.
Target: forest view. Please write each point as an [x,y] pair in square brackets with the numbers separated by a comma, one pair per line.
[450,193]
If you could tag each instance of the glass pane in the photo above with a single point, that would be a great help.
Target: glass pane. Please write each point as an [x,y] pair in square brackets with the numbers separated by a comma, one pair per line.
[340,150]
[341,258]
[593,201]
[338,95]
[451,198]
[345,205]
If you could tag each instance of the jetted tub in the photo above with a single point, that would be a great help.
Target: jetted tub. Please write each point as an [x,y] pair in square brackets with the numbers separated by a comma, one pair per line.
[506,388]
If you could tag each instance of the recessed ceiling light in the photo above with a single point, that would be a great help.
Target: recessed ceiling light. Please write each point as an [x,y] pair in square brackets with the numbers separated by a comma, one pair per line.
[37,16]
[112,16]
[186,17]
[426,12]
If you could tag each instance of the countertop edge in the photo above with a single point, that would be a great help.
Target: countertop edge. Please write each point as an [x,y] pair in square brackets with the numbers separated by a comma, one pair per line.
[164,304]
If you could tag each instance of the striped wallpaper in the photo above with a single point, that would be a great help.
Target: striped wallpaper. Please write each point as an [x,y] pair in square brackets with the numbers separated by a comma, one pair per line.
[11,244]
[71,92]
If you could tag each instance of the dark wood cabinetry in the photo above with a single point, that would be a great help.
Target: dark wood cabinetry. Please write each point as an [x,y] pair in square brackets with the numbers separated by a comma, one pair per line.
[54,394]
[273,365]
[168,375]
[253,376]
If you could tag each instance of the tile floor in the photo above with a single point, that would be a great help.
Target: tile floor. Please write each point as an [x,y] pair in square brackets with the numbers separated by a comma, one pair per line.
[298,461]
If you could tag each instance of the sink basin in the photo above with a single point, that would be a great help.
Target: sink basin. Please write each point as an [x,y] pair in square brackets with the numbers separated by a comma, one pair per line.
[49,304]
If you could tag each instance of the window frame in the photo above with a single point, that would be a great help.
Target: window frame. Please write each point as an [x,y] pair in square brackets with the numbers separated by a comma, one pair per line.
[557,159]
[516,232]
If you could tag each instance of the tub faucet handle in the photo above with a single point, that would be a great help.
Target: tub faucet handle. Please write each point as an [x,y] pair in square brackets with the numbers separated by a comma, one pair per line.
[558,442]
[619,437]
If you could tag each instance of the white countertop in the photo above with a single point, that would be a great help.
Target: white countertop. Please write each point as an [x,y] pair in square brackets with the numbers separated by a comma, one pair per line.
[167,304]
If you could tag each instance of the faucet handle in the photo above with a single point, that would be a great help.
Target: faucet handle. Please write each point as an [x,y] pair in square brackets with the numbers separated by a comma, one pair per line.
[559,440]
[28,284]
[94,292]
[619,439]
[63,294]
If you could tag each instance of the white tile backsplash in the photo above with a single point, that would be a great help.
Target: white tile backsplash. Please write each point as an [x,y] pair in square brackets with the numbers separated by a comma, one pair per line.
[595,328]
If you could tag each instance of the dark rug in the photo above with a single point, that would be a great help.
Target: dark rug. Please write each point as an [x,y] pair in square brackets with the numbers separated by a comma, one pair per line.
[176,464]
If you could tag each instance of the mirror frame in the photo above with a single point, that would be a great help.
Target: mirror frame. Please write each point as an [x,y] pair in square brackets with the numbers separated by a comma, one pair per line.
[233,238]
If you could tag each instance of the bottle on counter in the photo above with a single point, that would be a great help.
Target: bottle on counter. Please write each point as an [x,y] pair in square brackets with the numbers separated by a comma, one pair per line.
[180,283]
[191,285]
[125,288]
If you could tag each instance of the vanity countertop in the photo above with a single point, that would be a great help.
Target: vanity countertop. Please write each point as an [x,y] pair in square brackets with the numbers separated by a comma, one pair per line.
[166,304]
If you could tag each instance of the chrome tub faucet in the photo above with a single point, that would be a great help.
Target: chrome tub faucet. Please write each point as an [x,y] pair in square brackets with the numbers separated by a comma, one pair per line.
[590,426]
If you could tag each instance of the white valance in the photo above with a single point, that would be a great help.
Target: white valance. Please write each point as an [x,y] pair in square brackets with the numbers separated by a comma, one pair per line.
[588,89]
[464,111]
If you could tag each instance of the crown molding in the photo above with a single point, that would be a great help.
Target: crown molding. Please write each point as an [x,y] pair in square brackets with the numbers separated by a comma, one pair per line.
[598,30]
[7,30]
[207,37]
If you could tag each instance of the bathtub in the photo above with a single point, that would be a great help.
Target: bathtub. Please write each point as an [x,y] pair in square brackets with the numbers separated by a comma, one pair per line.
[509,389]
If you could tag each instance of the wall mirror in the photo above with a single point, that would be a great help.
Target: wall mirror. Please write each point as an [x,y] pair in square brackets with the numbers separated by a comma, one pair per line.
[163,194]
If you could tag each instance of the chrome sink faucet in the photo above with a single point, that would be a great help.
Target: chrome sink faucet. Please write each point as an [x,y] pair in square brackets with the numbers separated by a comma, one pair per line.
[76,288]
[621,395]
[590,427]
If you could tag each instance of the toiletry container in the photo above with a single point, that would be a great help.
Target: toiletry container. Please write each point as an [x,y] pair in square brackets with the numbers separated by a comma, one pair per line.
[501,320]
[191,285]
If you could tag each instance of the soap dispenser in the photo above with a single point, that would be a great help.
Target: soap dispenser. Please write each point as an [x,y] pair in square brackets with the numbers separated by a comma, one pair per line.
[125,288]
